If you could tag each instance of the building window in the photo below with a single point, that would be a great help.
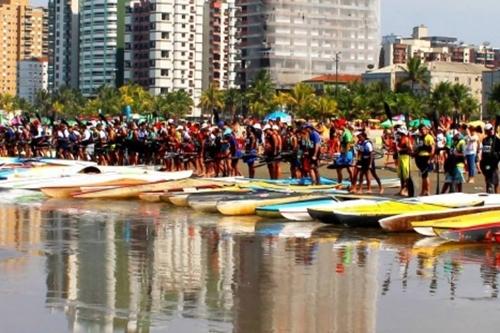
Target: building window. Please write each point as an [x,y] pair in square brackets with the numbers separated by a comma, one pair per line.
[163,90]
[164,72]
[165,16]
[164,35]
[164,54]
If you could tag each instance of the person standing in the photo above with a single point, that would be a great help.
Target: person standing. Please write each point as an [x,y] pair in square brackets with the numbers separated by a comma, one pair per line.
[425,148]
[471,149]
[345,160]
[315,139]
[454,164]
[490,156]
[404,149]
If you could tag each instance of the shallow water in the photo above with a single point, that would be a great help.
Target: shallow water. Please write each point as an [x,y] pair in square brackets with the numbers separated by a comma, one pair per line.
[129,266]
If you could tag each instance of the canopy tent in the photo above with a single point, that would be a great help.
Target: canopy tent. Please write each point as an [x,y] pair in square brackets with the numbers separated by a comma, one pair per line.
[417,122]
[282,115]
[477,123]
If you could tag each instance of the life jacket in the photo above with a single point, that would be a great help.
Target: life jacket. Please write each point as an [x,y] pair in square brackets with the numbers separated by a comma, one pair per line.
[364,149]
[420,144]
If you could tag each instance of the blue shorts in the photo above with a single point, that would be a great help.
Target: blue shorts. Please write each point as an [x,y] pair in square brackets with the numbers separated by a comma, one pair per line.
[456,175]
[343,161]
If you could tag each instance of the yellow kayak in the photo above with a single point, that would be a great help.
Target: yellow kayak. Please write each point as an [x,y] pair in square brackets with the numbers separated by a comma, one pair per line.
[463,221]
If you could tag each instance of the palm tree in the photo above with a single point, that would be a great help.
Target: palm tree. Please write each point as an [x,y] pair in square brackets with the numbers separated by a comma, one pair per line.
[261,93]
[43,101]
[233,101]
[180,103]
[301,99]
[211,99]
[417,73]
[494,101]
[440,98]
[134,95]
[324,107]
[459,94]
[108,101]
[70,101]
[8,103]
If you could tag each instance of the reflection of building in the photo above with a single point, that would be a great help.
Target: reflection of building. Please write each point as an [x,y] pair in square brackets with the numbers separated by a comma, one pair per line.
[299,289]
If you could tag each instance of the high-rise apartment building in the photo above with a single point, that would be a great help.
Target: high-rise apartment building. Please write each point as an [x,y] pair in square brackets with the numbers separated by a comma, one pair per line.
[397,50]
[223,56]
[168,34]
[98,44]
[32,77]
[39,32]
[63,43]
[23,35]
[9,43]
[296,40]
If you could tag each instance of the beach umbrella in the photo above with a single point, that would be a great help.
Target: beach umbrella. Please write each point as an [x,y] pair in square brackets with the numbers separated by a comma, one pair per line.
[417,122]
[284,117]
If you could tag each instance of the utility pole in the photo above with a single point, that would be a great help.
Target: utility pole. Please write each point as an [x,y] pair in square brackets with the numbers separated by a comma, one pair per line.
[337,59]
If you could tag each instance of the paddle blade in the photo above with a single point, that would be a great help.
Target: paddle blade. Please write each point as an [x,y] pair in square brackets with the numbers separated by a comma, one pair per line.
[411,187]
[388,111]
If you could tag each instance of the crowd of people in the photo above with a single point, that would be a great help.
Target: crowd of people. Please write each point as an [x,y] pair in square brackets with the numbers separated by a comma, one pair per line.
[216,148]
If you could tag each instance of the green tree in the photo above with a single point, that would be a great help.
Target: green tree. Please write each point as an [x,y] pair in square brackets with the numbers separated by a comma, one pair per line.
[8,103]
[324,107]
[260,94]
[134,95]
[233,101]
[180,103]
[43,102]
[301,100]
[440,98]
[212,99]
[108,101]
[417,74]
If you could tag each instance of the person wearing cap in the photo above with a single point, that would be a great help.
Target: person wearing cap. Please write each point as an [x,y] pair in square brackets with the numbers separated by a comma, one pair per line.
[424,152]
[489,158]
[454,164]
[404,149]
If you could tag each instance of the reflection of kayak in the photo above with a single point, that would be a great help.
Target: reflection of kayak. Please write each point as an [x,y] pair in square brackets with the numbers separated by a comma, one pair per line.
[274,211]
[404,222]
[248,206]
[287,230]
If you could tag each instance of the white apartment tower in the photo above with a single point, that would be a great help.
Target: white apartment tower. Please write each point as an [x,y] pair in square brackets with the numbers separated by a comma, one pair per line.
[63,43]
[296,40]
[32,77]
[98,44]
[223,55]
[168,35]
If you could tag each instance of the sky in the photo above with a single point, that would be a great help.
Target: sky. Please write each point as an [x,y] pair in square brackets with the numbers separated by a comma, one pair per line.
[471,21]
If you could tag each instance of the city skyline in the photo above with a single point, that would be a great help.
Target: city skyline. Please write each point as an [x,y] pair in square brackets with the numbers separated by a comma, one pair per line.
[398,18]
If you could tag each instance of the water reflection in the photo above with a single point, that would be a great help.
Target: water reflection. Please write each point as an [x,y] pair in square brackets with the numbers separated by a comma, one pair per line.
[139,267]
